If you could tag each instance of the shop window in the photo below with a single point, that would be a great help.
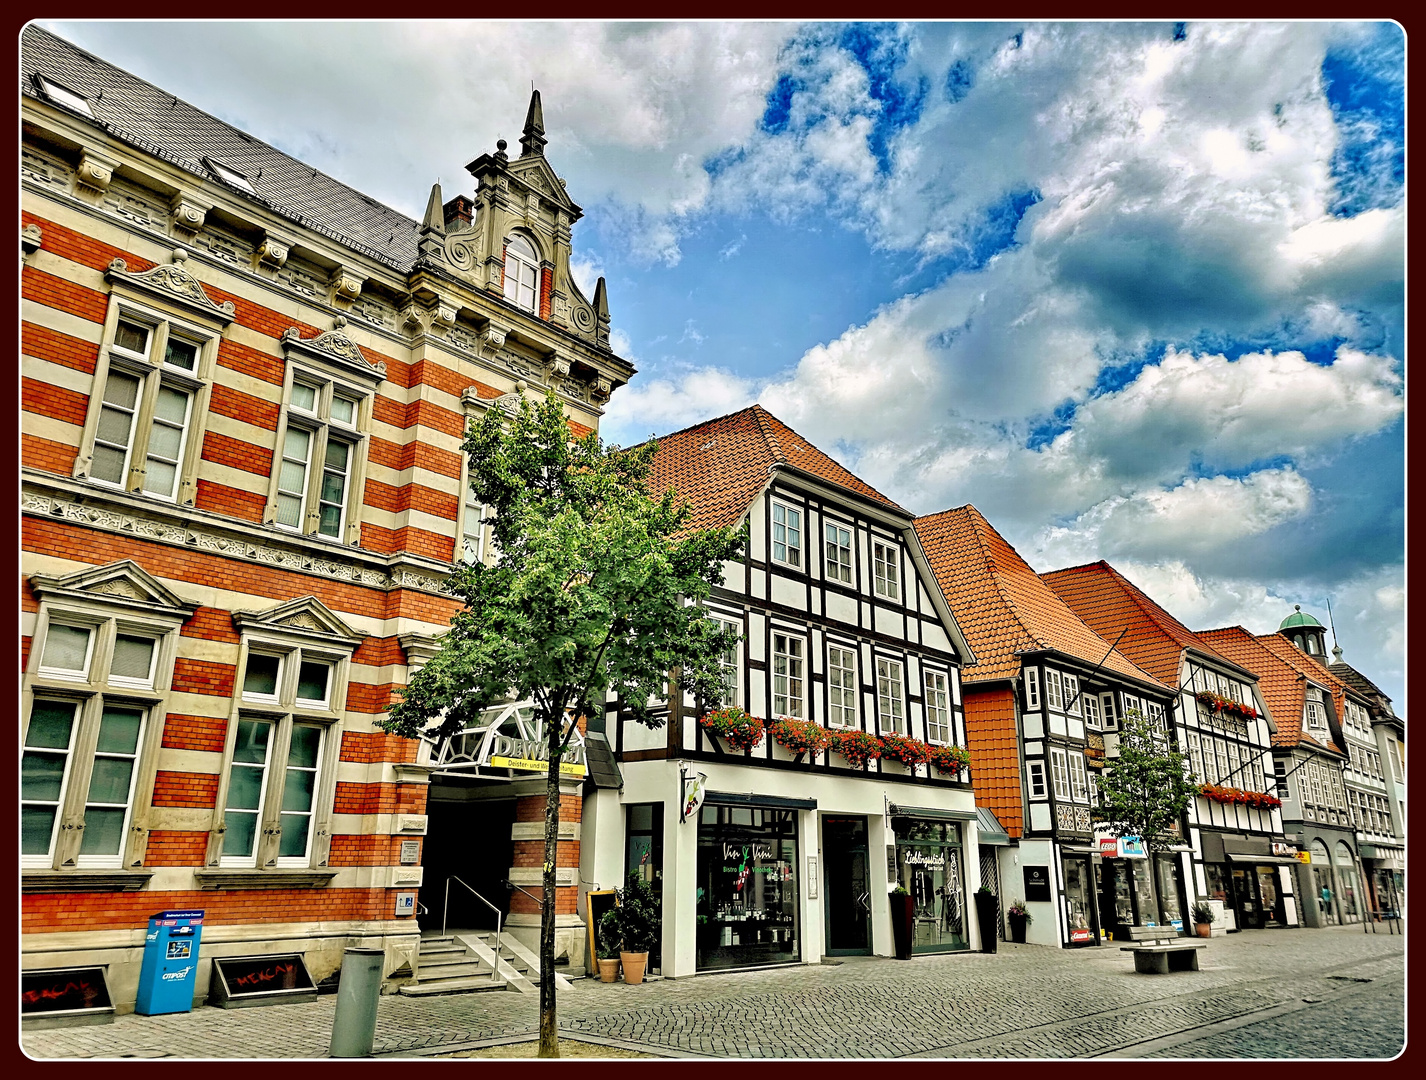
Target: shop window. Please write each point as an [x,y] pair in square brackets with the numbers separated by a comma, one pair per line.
[890,702]
[841,686]
[747,891]
[787,535]
[839,553]
[788,657]
[522,272]
[885,561]
[145,418]
[938,709]
[1032,689]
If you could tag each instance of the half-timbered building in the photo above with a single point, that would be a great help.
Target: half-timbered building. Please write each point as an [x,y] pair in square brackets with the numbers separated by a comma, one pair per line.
[1044,697]
[791,855]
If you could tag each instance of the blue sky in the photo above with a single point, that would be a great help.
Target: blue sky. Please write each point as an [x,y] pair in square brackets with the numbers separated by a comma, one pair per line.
[1136,290]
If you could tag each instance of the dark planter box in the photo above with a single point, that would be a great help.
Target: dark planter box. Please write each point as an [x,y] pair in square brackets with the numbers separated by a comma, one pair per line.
[987,908]
[903,912]
[1017,929]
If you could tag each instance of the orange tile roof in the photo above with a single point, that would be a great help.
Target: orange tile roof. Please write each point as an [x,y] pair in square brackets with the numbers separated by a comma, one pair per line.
[720,465]
[992,738]
[1110,603]
[1000,603]
[1280,668]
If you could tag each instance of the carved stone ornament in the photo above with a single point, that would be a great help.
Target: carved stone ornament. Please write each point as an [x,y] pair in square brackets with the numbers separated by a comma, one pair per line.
[30,238]
[460,250]
[333,345]
[510,402]
[94,171]
[174,283]
[584,318]
[492,338]
[560,367]
[188,215]
[601,390]
[346,285]
[273,252]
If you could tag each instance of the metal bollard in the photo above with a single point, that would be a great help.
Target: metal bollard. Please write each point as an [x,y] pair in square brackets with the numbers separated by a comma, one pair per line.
[354,1027]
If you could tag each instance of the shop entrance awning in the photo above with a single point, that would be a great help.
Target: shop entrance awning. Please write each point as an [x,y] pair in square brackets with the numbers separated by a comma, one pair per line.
[1266,860]
[990,829]
[932,813]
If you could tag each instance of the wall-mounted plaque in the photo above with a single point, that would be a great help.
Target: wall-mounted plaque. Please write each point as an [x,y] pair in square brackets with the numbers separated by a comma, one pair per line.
[1037,883]
[410,852]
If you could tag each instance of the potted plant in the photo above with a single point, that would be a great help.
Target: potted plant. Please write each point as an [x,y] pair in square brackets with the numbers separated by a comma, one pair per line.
[986,907]
[638,911]
[1019,917]
[607,945]
[903,913]
[1202,914]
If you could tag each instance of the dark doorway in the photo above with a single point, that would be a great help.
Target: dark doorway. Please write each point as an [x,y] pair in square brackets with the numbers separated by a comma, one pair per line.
[643,857]
[848,904]
[470,841]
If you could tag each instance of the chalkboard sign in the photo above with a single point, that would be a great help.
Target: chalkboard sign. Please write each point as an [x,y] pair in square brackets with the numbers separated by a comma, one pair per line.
[239,981]
[64,990]
[595,905]
[1037,882]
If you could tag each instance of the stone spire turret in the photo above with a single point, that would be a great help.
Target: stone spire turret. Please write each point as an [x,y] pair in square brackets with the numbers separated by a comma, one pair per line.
[433,225]
[533,140]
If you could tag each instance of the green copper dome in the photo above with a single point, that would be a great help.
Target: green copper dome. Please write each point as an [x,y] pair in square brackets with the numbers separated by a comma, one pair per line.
[1297,618]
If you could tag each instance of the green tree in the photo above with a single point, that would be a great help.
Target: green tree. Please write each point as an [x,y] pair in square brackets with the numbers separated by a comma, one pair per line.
[1147,788]
[597,586]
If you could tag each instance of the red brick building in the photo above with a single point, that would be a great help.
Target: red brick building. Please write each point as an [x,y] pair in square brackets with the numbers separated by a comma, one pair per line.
[244,388]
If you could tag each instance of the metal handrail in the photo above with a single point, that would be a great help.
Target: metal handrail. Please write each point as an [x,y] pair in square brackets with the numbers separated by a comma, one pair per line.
[511,885]
[445,910]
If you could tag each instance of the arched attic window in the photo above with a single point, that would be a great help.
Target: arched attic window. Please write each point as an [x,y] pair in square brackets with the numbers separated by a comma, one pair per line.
[522,272]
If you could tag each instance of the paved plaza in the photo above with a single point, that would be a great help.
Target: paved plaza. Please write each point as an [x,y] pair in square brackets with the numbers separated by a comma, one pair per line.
[1270,993]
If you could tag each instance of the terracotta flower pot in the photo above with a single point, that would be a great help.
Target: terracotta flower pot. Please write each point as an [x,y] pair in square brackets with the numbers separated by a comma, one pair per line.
[633,964]
[608,970]
[1203,929]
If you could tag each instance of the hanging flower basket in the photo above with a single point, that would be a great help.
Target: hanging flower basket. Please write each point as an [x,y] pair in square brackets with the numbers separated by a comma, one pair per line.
[799,736]
[949,760]
[1220,704]
[1258,800]
[858,747]
[735,727]
[910,752]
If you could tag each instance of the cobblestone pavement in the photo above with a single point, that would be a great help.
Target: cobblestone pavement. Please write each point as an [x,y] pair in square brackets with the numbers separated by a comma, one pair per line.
[1024,1002]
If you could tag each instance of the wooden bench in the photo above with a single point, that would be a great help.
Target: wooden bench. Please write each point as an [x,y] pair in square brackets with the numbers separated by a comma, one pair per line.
[1165,957]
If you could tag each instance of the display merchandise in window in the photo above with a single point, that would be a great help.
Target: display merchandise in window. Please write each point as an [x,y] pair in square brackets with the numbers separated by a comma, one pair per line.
[746,903]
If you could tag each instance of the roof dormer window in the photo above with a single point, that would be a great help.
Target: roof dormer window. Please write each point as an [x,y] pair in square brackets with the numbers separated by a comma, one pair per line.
[63,95]
[229,176]
[522,271]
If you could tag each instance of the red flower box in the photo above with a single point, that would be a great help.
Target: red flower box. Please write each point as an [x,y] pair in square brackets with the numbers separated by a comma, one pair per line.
[799,736]
[737,728]
[858,747]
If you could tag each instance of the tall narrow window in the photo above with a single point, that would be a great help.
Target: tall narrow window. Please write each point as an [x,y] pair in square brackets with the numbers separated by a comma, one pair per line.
[318,464]
[787,676]
[114,436]
[1032,689]
[841,686]
[938,709]
[472,546]
[786,535]
[246,782]
[333,501]
[839,554]
[1059,769]
[522,272]
[292,477]
[299,791]
[1072,697]
[1315,716]
[1195,754]
[890,702]
[1091,711]
[885,563]
[1053,697]
[1111,718]
[1079,782]
[1035,772]
[111,784]
[728,665]
[44,768]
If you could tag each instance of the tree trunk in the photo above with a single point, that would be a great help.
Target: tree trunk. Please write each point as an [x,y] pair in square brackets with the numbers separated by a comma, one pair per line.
[549,1022]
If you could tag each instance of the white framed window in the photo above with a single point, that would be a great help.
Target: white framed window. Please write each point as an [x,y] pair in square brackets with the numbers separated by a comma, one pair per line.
[473,514]
[320,456]
[1154,712]
[1079,781]
[786,535]
[1314,714]
[1035,773]
[1072,696]
[522,273]
[842,690]
[151,388]
[99,670]
[728,665]
[890,702]
[1091,711]
[838,542]
[1210,760]
[1220,746]
[262,676]
[788,685]
[1032,689]
[1131,702]
[938,709]
[1195,755]
[1235,763]
[1111,717]
[885,562]
[1054,698]
[1059,770]
[63,95]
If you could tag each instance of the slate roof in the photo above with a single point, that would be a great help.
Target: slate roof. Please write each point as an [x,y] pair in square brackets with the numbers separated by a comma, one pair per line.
[1280,667]
[1350,676]
[720,465]
[1109,602]
[1002,606]
[155,121]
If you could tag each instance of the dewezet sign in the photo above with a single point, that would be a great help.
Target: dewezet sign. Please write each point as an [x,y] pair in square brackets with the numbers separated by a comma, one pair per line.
[532,755]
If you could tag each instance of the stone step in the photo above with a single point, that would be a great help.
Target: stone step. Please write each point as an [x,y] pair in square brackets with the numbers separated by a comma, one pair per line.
[466,968]
[452,986]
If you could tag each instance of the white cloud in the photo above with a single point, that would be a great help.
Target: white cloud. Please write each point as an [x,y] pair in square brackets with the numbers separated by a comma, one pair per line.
[657,406]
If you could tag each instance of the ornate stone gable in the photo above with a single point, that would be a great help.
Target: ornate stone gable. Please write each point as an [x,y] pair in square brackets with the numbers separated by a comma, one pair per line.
[175,284]
[124,581]
[306,617]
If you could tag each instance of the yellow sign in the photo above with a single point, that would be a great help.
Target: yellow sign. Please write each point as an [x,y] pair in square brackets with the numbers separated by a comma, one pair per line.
[567,768]
[1304,856]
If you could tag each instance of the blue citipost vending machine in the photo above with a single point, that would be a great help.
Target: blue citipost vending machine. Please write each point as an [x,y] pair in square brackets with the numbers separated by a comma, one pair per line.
[170,968]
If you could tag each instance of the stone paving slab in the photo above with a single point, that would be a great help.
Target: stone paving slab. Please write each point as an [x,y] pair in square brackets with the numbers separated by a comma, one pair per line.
[1024,1002]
